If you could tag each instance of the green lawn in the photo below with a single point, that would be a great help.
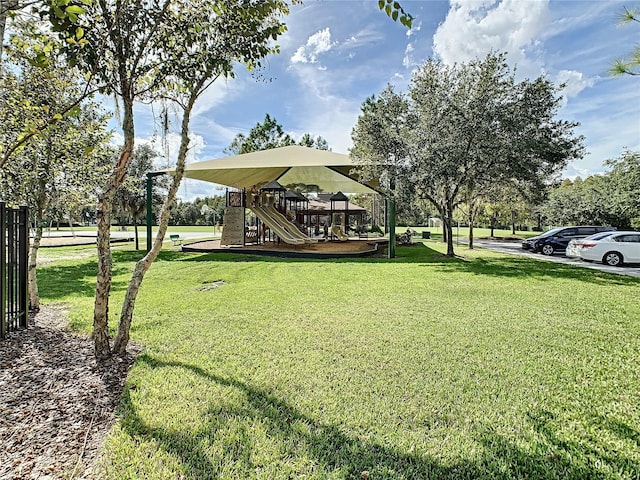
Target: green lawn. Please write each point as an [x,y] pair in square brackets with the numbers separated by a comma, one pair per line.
[486,366]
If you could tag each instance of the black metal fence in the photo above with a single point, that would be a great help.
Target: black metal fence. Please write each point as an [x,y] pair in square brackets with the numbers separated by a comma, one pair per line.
[14,258]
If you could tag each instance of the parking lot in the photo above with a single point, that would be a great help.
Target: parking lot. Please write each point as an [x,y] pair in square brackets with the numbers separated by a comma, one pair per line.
[514,247]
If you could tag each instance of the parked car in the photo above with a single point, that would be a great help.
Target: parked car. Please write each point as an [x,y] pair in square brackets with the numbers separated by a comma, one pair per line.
[575,246]
[614,250]
[556,240]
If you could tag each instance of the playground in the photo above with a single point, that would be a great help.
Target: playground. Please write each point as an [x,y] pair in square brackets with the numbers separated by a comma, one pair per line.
[289,201]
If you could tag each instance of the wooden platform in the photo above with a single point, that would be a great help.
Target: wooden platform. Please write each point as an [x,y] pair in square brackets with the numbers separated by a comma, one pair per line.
[330,249]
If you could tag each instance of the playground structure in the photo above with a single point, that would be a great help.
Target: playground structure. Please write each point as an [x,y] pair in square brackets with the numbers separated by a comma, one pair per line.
[337,223]
[325,171]
[268,207]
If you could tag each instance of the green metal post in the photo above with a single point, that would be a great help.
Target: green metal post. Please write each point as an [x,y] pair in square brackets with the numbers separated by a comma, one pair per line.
[391,212]
[149,209]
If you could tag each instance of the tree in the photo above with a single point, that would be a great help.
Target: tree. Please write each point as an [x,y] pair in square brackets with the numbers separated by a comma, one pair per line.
[630,65]
[623,182]
[318,143]
[263,136]
[61,167]
[207,39]
[460,129]
[35,46]
[270,134]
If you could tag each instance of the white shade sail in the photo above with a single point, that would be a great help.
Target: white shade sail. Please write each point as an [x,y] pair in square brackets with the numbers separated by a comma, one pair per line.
[294,164]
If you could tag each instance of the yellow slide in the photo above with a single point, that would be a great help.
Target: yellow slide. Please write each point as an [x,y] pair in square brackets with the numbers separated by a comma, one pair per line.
[287,225]
[276,227]
[337,231]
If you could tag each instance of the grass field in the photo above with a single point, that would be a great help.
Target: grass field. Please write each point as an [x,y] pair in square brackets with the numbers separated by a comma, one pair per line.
[484,366]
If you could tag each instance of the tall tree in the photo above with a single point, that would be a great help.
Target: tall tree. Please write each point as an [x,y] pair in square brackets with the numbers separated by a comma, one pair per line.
[270,134]
[319,143]
[208,38]
[623,182]
[263,136]
[61,166]
[463,127]
[32,43]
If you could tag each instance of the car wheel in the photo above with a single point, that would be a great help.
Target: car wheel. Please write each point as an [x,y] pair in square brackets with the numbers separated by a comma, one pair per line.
[613,259]
[547,249]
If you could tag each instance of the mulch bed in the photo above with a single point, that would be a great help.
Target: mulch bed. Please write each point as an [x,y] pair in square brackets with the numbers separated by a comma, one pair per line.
[57,402]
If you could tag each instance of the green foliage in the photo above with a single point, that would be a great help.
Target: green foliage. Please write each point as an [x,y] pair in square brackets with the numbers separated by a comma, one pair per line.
[631,64]
[461,130]
[394,10]
[58,167]
[30,100]
[413,368]
[201,211]
[270,134]
[263,136]
[609,199]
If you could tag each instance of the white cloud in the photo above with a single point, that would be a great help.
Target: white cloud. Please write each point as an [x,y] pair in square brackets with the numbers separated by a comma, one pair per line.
[170,145]
[407,60]
[369,35]
[414,29]
[575,82]
[472,28]
[317,43]
[222,90]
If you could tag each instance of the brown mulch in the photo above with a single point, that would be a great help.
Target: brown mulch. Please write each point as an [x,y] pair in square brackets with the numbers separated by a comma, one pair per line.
[352,246]
[56,401]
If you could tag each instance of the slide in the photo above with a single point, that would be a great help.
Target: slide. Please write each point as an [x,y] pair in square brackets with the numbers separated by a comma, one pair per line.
[337,231]
[275,227]
[287,225]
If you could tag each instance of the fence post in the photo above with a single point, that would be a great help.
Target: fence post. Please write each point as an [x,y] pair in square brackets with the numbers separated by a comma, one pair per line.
[23,265]
[3,270]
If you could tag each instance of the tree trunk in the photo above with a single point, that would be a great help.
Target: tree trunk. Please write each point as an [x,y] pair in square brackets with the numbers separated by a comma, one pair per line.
[34,297]
[471,221]
[448,226]
[513,222]
[493,225]
[135,227]
[103,218]
[143,265]
[444,230]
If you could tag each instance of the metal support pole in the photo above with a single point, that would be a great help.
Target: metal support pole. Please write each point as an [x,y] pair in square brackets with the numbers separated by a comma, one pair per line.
[150,176]
[149,209]
[391,220]
[3,272]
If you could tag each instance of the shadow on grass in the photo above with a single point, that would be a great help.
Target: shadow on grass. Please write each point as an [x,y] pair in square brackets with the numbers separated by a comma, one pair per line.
[501,266]
[79,279]
[331,451]
[58,281]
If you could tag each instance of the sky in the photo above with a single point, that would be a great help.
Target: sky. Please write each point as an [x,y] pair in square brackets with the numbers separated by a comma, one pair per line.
[336,53]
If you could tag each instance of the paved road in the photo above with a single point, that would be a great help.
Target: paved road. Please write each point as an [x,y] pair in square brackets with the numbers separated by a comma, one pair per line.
[516,249]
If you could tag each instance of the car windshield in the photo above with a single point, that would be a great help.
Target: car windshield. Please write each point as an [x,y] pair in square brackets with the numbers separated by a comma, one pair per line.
[553,231]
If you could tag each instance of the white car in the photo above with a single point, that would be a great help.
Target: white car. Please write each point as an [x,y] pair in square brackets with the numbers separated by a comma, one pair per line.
[575,246]
[613,250]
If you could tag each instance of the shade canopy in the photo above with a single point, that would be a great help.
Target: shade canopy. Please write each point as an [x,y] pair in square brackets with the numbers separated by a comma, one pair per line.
[291,165]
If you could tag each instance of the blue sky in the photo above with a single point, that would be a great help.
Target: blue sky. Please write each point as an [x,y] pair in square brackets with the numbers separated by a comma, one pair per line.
[336,53]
